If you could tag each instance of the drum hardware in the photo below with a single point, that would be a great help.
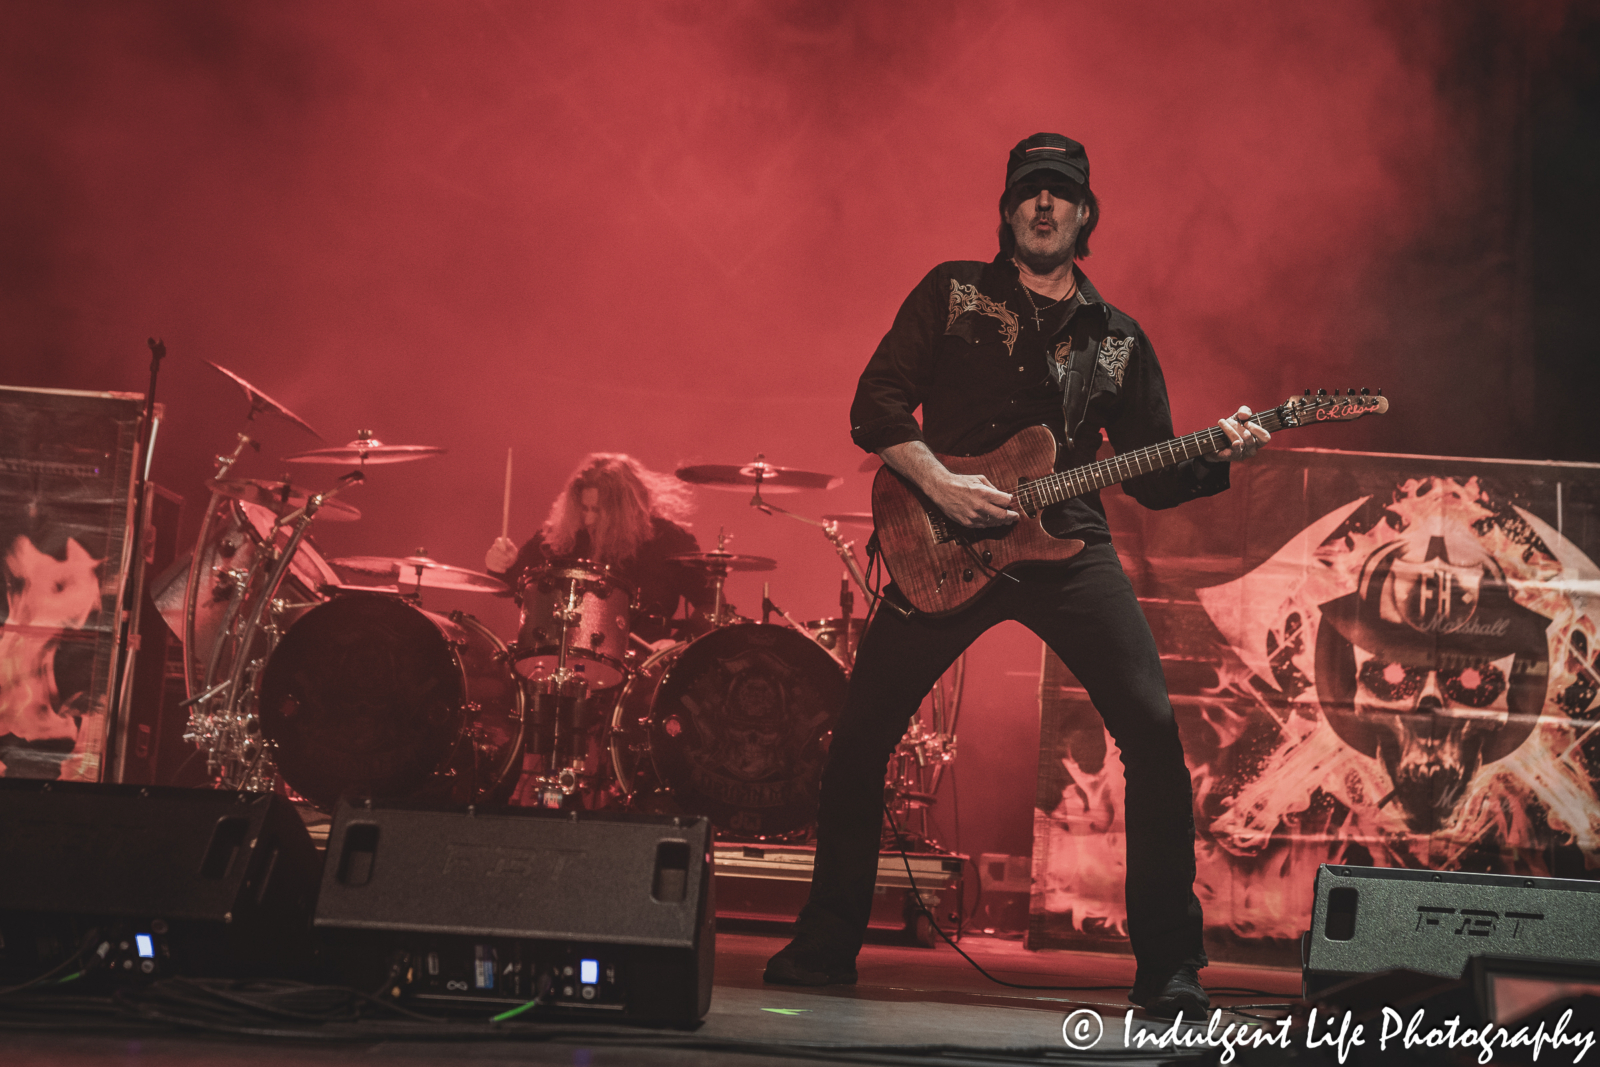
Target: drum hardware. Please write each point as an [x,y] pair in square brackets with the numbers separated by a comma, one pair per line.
[756,474]
[576,616]
[238,757]
[371,695]
[734,726]
[261,402]
[419,571]
[718,564]
[280,497]
[366,450]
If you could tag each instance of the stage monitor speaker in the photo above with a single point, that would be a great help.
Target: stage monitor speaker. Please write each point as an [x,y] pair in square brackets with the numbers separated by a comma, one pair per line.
[1369,919]
[143,882]
[588,913]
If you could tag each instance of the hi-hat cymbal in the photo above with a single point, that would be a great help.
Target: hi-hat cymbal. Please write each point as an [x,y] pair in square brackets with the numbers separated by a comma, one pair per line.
[759,473]
[281,498]
[260,401]
[367,451]
[726,561]
[408,572]
[850,518]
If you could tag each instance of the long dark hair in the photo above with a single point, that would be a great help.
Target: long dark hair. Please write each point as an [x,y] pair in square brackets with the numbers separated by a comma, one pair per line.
[1080,194]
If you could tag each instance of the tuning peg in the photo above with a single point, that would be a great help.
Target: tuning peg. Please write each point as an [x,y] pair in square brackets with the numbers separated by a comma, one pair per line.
[1308,392]
[1366,392]
[1322,392]
[1380,392]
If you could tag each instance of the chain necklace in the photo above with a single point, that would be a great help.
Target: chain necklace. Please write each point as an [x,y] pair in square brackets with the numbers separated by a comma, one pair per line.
[1027,294]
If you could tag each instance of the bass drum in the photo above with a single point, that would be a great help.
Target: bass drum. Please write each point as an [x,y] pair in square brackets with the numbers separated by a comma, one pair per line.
[368,695]
[733,726]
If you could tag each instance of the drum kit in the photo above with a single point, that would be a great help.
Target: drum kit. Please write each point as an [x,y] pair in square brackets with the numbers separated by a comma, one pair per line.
[325,678]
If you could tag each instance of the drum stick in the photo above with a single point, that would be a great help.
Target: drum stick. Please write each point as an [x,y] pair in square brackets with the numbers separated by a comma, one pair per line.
[505,509]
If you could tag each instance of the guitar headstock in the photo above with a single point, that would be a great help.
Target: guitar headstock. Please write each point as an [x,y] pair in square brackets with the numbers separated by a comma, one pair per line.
[1324,406]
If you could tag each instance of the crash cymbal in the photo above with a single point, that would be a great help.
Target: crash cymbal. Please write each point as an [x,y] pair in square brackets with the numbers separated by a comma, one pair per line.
[408,572]
[260,401]
[367,451]
[726,561]
[759,473]
[850,518]
[280,498]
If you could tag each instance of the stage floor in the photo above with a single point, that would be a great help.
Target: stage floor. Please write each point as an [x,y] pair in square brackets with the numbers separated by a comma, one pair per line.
[906,997]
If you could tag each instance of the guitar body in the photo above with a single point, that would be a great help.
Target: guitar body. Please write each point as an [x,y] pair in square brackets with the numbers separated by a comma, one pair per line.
[941,565]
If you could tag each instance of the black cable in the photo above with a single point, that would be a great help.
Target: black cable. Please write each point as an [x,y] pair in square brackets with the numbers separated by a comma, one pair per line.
[93,936]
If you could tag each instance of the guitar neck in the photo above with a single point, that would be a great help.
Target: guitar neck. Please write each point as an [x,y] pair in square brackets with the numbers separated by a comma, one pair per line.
[1064,485]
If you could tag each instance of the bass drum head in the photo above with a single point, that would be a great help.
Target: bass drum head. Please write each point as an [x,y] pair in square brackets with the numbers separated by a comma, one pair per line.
[362,696]
[740,727]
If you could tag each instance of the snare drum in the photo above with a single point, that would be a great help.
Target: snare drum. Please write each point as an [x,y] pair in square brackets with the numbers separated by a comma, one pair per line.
[369,695]
[598,608]
[734,726]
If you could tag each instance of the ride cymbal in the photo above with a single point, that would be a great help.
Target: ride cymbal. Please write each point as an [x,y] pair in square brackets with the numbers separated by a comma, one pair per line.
[757,474]
[410,571]
[726,561]
[850,518]
[280,498]
[366,450]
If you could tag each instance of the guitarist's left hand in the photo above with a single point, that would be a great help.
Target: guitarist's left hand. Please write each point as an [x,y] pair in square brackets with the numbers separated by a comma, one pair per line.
[1246,437]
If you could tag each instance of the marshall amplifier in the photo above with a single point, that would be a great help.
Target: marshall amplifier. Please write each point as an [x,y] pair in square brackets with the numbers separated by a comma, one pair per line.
[485,911]
[1369,919]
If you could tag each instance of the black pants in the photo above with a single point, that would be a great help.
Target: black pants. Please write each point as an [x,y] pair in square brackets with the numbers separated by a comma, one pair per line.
[1086,611]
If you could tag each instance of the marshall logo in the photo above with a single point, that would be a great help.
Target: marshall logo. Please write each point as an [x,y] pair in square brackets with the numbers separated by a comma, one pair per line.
[1473,922]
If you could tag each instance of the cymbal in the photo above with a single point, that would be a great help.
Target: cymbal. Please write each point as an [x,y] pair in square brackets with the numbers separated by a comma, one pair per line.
[726,561]
[367,451]
[410,571]
[850,518]
[770,478]
[260,401]
[280,498]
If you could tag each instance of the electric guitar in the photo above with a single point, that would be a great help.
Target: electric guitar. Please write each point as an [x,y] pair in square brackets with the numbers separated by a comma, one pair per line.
[941,565]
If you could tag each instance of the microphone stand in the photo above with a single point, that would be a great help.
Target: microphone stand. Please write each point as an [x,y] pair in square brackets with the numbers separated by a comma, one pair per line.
[133,583]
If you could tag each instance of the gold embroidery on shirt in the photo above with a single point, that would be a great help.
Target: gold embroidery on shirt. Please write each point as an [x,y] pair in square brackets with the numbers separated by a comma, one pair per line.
[1114,355]
[1063,353]
[965,298]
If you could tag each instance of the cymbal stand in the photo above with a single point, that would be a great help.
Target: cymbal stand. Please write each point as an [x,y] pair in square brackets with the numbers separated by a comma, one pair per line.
[191,593]
[917,765]
[560,716]
[239,758]
[830,530]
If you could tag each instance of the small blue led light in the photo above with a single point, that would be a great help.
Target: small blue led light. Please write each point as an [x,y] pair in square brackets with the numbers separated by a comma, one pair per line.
[147,948]
[589,972]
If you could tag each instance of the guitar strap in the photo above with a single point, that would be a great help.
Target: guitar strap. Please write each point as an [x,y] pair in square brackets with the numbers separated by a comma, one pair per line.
[1075,369]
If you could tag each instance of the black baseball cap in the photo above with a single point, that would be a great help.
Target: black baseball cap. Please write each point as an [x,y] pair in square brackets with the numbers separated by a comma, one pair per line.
[1048,151]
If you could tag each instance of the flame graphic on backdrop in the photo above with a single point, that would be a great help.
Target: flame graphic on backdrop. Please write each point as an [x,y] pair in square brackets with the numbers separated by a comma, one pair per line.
[45,598]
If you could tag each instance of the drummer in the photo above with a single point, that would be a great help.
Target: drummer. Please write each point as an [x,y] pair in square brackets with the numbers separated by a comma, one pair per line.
[618,512]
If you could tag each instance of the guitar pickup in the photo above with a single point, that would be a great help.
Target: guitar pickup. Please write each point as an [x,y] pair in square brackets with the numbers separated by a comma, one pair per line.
[940,525]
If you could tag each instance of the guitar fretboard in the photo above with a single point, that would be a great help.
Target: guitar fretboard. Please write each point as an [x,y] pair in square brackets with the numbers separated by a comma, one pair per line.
[1064,485]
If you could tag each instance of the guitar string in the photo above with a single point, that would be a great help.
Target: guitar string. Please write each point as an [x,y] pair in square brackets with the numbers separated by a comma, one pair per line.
[1081,479]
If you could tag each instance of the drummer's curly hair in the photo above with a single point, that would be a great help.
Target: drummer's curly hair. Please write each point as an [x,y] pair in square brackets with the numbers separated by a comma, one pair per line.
[631,495]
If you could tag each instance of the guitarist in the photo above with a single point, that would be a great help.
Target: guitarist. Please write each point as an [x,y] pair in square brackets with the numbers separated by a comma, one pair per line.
[987,349]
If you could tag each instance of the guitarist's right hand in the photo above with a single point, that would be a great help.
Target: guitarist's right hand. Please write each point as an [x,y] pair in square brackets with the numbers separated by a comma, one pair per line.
[972,501]
[969,499]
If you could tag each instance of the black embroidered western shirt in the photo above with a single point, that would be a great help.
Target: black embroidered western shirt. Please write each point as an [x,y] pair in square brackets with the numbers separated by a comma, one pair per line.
[964,348]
